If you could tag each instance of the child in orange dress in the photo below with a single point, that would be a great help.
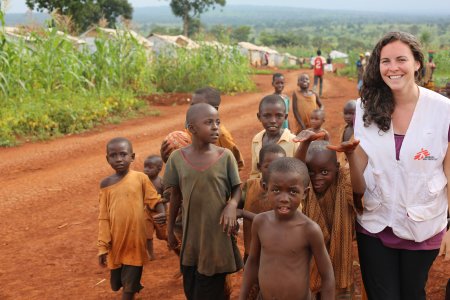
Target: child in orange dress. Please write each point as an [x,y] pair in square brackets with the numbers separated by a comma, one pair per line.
[121,236]
[304,101]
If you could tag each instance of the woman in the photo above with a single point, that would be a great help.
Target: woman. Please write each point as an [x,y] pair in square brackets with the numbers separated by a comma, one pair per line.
[402,166]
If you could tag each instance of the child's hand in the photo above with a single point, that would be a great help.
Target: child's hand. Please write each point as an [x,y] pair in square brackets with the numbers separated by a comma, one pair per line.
[348,147]
[172,241]
[160,218]
[228,218]
[239,213]
[102,259]
[165,150]
[308,135]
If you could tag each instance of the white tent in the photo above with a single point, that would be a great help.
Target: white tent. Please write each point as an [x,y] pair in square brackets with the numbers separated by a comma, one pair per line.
[337,54]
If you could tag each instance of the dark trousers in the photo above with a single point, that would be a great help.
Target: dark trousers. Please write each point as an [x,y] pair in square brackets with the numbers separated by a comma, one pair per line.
[393,274]
[201,287]
[320,80]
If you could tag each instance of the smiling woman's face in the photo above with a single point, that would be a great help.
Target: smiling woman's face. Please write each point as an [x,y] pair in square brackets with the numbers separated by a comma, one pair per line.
[397,66]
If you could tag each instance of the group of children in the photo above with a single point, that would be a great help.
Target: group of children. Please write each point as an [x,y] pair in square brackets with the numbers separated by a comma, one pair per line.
[297,187]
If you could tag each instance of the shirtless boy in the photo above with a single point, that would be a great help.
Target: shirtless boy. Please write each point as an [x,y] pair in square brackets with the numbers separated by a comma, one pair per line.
[279,262]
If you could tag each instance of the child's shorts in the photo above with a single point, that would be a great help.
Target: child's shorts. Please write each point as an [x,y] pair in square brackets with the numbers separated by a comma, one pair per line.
[128,277]
[199,287]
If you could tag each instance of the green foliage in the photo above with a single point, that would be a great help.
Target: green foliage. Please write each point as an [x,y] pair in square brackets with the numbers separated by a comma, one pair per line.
[187,70]
[442,73]
[190,10]
[229,34]
[49,87]
[84,13]
[241,33]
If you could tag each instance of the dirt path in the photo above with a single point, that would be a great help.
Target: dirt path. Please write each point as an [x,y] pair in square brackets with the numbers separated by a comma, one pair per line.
[48,200]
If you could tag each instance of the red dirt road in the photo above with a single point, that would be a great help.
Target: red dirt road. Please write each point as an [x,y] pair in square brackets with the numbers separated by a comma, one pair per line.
[48,201]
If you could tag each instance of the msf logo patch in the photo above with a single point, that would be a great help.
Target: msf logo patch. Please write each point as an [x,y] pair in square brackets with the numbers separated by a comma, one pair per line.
[424,154]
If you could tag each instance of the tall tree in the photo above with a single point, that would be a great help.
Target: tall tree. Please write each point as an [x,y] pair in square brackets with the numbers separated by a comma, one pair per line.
[192,9]
[86,12]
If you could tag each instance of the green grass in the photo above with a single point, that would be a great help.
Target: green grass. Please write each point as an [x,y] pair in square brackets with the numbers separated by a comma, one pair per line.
[442,73]
[256,71]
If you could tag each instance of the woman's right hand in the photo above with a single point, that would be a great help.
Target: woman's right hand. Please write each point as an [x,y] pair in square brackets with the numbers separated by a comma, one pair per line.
[308,135]
[347,147]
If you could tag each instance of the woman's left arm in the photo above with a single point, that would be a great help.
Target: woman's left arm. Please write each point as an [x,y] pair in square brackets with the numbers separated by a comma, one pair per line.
[445,246]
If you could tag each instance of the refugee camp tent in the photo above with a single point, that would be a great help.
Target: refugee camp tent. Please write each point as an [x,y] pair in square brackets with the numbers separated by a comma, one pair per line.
[24,33]
[164,42]
[290,59]
[92,34]
[257,54]
[337,54]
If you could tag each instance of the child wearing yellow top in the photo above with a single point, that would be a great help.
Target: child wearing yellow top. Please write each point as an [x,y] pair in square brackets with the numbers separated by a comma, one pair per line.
[271,114]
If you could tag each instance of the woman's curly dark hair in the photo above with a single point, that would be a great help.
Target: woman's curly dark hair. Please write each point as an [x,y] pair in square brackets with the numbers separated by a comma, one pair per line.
[376,96]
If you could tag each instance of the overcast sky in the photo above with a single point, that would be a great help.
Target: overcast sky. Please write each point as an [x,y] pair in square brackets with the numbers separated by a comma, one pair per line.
[397,6]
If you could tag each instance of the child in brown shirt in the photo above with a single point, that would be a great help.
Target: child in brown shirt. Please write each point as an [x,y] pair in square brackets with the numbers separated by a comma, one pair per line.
[205,183]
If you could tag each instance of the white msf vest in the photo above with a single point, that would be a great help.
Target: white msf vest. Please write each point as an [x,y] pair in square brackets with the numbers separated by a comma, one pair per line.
[410,194]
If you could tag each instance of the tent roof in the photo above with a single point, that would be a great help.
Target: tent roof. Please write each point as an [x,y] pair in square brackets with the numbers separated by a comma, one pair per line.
[251,46]
[337,54]
[115,32]
[25,33]
[177,40]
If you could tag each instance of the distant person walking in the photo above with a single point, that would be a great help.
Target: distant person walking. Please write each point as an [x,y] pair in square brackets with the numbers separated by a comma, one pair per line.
[318,66]
[360,69]
[430,66]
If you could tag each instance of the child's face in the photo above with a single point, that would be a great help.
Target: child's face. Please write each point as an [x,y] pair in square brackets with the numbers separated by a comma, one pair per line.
[272,116]
[278,84]
[152,167]
[206,126]
[322,168]
[316,120]
[285,191]
[263,166]
[303,82]
[119,156]
[349,115]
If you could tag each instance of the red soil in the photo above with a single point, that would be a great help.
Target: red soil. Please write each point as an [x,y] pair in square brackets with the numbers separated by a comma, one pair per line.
[48,200]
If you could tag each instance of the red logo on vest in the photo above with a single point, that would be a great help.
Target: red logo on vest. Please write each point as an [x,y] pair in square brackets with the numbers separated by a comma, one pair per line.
[424,154]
